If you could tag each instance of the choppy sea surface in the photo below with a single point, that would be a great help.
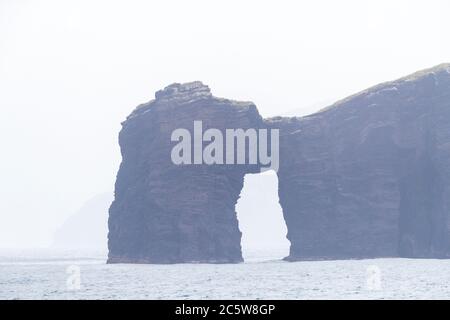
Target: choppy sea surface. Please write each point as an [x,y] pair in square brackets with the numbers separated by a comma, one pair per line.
[45,274]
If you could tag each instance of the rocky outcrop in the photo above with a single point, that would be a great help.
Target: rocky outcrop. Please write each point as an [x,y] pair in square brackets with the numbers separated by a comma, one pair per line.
[367,177]
[370,175]
[167,213]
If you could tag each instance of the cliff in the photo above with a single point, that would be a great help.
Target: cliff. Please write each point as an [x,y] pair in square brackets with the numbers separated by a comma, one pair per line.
[367,177]
[167,213]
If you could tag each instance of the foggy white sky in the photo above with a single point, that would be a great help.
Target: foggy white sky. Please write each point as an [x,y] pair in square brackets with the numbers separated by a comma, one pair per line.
[70,72]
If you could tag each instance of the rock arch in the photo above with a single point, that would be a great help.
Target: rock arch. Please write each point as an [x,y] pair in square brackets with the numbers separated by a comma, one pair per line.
[367,177]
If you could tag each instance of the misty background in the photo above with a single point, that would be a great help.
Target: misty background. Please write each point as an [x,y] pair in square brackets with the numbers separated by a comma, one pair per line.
[71,71]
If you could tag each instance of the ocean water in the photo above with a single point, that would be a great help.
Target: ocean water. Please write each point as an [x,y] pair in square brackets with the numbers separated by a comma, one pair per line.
[85,275]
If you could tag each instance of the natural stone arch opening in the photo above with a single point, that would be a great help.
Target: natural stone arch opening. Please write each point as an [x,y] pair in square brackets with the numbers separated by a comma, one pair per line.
[261,220]
[348,174]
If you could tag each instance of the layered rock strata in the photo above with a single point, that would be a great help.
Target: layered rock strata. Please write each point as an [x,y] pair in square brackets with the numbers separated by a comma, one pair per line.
[367,177]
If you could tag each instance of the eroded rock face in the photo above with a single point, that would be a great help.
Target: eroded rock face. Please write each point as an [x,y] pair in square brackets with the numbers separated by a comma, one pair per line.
[370,175]
[164,213]
[366,177]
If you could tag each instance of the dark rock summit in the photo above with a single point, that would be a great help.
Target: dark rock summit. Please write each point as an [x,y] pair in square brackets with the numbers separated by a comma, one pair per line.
[370,175]
[367,177]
